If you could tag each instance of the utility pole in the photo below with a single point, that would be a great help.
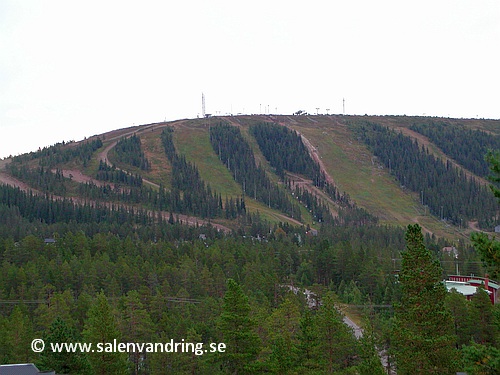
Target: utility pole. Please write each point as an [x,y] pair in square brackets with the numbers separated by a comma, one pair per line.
[343,106]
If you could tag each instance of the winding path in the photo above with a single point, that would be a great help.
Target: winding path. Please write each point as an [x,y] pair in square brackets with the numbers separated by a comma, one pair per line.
[78,176]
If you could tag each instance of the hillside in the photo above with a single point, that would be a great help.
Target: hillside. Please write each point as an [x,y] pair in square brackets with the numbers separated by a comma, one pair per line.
[356,181]
[180,231]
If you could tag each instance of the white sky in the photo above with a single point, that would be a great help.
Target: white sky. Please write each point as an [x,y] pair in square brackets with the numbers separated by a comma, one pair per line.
[72,69]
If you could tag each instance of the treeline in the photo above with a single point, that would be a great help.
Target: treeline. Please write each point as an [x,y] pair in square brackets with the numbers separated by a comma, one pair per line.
[176,289]
[116,175]
[208,205]
[346,215]
[468,147]
[196,195]
[171,289]
[62,153]
[189,194]
[134,291]
[160,280]
[50,210]
[40,178]
[448,192]
[128,150]
[284,150]
[236,154]
[24,213]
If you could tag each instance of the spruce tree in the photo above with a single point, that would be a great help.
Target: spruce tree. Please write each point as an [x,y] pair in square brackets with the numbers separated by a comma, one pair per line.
[237,327]
[423,339]
[284,326]
[336,346]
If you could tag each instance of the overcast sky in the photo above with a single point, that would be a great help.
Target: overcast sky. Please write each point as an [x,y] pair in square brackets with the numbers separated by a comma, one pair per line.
[73,69]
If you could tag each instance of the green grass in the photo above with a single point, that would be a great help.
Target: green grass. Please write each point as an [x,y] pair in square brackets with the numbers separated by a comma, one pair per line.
[352,166]
[357,172]
[194,143]
[161,168]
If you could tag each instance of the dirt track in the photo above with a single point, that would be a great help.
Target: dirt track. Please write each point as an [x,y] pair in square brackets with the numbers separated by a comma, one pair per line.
[307,184]
[78,176]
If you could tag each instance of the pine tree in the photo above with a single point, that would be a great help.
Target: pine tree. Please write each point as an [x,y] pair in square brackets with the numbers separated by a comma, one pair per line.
[284,328]
[307,342]
[423,339]
[370,360]
[485,329]
[237,328]
[481,359]
[101,327]
[462,322]
[136,326]
[336,345]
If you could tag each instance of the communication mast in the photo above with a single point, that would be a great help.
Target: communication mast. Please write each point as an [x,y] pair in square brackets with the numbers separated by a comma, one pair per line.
[203,105]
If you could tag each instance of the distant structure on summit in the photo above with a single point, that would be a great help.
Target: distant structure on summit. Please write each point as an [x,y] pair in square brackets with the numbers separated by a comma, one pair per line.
[203,112]
[202,105]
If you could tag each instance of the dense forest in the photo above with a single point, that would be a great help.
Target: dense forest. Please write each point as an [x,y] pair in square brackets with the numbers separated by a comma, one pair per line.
[62,153]
[128,150]
[448,192]
[155,287]
[111,260]
[116,175]
[237,155]
[190,195]
[468,147]
[198,198]
[284,150]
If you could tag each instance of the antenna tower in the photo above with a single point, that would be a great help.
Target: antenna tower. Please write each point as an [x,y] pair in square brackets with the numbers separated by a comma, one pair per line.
[203,114]
[343,105]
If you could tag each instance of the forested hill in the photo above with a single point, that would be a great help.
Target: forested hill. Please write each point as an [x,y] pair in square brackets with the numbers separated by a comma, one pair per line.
[240,171]
[212,230]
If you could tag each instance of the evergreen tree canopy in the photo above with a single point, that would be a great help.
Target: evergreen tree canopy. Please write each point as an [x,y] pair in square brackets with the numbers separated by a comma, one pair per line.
[423,326]
[489,248]
[102,327]
[237,328]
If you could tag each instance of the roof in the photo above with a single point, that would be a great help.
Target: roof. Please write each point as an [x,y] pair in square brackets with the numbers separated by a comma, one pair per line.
[22,369]
[491,284]
[462,287]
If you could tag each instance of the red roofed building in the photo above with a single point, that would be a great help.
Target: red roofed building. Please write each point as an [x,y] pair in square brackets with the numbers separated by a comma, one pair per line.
[491,286]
